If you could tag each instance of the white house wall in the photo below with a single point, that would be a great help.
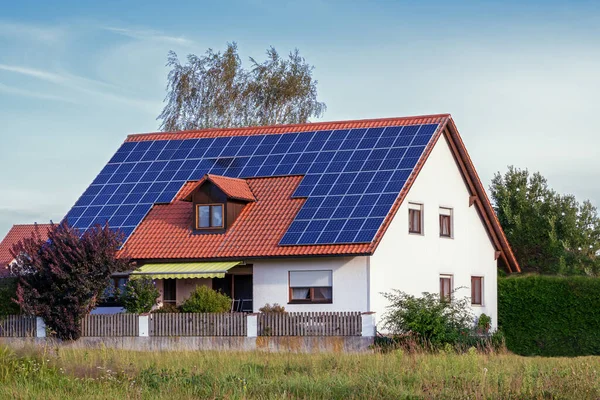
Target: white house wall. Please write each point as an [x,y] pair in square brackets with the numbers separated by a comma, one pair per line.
[413,263]
[349,282]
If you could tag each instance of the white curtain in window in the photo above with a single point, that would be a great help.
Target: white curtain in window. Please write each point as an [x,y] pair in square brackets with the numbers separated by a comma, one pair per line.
[322,293]
[445,225]
[217,215]
[300,294]
[310,278]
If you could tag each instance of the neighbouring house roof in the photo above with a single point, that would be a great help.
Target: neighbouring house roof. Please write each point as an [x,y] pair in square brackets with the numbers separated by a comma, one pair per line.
[14,236]
[328,188]
[234,188]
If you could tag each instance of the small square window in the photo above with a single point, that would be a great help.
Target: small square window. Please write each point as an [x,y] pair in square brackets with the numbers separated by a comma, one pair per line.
[446,287]
[445,222]
[477,290]
[415,218]
[209,216]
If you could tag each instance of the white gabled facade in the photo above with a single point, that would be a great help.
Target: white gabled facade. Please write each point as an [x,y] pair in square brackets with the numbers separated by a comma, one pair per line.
[413,263]
[408,262]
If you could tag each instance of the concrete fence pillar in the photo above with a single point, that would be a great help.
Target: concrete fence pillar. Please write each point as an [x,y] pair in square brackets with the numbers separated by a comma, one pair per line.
[144,325]
[369,324]
[40,330]
[252,325]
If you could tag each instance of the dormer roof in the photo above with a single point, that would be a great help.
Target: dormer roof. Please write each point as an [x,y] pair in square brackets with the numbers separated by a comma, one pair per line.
[234,188]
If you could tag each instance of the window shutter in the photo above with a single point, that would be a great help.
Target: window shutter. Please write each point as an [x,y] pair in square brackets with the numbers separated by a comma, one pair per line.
[310,279]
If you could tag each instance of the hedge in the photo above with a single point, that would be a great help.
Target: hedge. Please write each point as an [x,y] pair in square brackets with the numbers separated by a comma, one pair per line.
[550,315]
[8,291]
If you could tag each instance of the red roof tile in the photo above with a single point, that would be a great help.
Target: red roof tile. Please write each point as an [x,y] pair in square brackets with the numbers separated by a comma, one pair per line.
[278,129]
[14,236]
[234,188]
[166,233]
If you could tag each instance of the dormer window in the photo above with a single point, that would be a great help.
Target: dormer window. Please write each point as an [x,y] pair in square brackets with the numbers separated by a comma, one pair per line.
[209,216]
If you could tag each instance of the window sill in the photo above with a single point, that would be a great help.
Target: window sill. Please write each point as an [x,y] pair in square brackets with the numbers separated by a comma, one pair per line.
[310,302]
[477,305]
[416,233]
[446,237]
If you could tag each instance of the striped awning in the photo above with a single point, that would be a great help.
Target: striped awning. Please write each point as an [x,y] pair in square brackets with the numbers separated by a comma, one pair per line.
[184,270]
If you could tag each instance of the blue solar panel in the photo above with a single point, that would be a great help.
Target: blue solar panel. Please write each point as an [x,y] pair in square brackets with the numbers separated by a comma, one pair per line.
[351,177]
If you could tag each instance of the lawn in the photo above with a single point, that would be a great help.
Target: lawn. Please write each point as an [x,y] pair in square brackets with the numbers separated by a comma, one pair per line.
[110,374]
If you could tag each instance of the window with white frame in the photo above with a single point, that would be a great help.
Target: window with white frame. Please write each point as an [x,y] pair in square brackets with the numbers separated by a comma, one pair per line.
[446,220]
[415,218]
[477,290]
[446,287]
[311,286]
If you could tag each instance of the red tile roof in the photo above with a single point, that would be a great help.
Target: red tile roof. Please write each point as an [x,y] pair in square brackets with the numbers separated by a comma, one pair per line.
[278,129]
[14,236]
[166,233]
[234,188]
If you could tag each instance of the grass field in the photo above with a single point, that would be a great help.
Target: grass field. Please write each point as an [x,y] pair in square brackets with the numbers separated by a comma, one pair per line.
[110,374]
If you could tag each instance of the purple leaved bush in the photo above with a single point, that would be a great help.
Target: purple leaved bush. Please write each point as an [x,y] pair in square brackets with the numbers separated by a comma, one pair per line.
[61,279]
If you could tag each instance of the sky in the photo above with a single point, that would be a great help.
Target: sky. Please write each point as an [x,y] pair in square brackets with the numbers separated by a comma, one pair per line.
[520,78]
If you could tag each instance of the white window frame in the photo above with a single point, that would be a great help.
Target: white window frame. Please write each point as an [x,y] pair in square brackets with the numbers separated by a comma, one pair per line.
[447,276]
[482,290]
[421,208]
[449,211]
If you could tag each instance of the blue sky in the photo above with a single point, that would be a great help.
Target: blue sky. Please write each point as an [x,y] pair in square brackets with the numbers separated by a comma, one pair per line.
[520,79]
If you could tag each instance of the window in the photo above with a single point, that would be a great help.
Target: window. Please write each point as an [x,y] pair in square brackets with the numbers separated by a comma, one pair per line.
[446,288]
[169,291]
[415,218]
[209,216]
[477,290]
[311,287]
[445,222]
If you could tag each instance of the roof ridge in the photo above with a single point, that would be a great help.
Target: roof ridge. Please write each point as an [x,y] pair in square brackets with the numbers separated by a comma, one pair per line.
[281,128]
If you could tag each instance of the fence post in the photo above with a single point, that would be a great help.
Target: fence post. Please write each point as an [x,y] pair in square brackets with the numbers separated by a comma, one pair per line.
[369,326]
[251,325]
[40,327]
[143,326]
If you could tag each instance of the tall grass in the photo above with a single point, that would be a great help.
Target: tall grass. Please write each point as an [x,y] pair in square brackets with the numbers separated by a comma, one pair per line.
[110,374]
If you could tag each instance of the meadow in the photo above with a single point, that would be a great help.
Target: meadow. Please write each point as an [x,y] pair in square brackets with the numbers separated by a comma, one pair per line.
[110,374]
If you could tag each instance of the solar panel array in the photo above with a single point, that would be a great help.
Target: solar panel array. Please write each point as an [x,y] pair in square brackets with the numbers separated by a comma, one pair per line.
[351,177]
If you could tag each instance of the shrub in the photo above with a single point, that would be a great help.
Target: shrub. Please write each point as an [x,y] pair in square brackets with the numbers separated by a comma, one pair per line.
[275,308]
[61,279]
[167,309]
[484,323]
[139,296]
[205,300]
[8,293]
[428,320]
[550,315]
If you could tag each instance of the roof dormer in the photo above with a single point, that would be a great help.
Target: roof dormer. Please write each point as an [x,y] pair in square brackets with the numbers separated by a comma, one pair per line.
[218,201]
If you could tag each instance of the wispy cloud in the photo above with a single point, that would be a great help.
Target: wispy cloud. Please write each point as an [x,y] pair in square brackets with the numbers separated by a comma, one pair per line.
[146,34]
[33,32]
[81,84]
[36,95]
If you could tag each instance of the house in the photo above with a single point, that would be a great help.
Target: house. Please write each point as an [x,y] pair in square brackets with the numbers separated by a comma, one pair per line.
[14,236]
[316,217]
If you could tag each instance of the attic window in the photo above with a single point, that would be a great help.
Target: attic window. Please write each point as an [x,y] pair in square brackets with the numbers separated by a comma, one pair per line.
[209,216]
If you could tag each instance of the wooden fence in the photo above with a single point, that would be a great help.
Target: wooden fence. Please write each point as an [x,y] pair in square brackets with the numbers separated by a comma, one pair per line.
[310,324]
[117,325]
[17,326]
[187,324]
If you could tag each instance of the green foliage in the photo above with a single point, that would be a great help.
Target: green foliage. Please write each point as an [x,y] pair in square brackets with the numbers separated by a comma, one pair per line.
[8,295]
[61,279]
[214,91]
[550,315]
[206,300]
[548,232]
[139,296]
[484,323]
[275,308]
[430,320]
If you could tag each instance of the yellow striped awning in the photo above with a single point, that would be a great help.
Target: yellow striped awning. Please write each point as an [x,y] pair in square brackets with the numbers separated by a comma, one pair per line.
[184,270]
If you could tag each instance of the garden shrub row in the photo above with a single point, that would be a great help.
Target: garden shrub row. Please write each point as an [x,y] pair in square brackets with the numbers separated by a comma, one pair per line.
[550,315]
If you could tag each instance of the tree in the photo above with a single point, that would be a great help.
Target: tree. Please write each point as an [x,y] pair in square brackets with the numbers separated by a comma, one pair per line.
[215,91]
[139,296]
[62,278]
[548,232]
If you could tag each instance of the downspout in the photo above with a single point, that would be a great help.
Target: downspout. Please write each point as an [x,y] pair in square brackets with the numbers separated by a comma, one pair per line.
[368,283]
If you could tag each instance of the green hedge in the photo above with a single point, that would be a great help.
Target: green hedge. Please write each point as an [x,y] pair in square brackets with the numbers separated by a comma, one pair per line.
[550,315]
[8,291]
